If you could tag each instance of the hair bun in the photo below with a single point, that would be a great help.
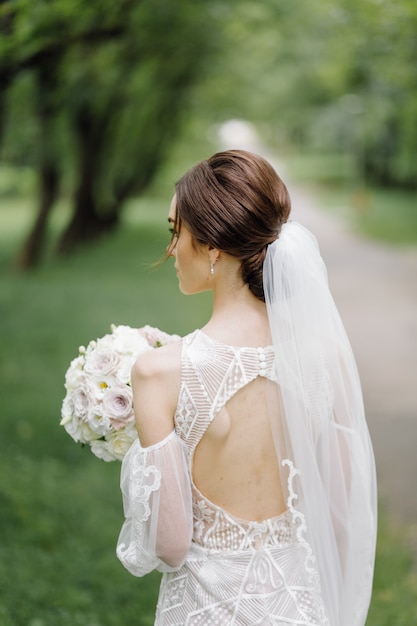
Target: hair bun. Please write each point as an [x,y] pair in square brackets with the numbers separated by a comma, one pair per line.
[236,202]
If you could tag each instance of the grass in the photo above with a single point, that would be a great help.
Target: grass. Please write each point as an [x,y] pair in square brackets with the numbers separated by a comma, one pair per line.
[60,507]
[387,215]
[394,601]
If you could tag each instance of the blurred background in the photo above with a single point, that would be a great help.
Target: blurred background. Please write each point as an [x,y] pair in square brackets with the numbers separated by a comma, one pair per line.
[103,105]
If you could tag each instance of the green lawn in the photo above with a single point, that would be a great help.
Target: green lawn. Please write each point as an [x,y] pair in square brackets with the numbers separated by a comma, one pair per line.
[60,507]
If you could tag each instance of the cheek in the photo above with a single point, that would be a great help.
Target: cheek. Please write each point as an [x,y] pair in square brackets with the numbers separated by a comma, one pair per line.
[180,254]
[185,253]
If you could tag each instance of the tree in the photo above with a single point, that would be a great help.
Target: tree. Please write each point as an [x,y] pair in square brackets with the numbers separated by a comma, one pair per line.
[111,85]
[331,74]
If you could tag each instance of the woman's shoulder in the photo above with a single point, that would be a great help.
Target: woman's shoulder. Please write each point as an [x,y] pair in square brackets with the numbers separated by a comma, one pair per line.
[156,382]
[158,363]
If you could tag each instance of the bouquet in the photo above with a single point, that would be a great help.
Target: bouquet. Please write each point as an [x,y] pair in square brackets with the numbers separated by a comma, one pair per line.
[98,406]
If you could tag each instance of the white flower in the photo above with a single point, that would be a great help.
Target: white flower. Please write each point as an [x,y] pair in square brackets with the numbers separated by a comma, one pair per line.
[125,369]
[74,372]
[118,405]
[129,341]
[98,406]
[78,429]
[98,423]
[117,444]
[103,361]
[82,397]
[67,410]
[99,448]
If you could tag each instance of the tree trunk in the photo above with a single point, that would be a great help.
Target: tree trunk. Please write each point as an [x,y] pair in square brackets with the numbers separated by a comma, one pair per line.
[29,255]
[5,81]
[88,223]
[49,172]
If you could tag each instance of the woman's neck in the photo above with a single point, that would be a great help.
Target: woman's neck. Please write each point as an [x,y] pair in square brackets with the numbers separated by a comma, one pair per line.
[238,317]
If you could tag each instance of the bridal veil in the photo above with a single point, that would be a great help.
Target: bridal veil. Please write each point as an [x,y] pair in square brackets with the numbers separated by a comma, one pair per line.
[321,436]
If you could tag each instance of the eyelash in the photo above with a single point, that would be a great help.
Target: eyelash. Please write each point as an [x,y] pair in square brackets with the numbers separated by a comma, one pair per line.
[173,232]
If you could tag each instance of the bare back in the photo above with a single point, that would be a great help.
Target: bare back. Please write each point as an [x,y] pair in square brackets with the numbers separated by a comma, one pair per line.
[234,460]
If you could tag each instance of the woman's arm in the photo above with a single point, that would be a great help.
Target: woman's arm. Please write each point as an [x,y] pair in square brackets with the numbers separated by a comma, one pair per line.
[155,480]
[156,385]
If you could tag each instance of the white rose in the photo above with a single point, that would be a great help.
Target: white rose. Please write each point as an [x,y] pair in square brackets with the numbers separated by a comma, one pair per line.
[128,340]
[104,344]
[99,448]
[67,409]
[74,372]
[78,429]
[116,446]
[98,407]
[118,405]
[102,362]
[124,373]
[82,398]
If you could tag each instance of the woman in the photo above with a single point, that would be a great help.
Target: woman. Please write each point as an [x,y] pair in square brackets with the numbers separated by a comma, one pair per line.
[253,486]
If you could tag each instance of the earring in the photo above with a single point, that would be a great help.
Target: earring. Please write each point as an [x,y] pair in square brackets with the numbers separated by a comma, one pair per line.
[211,267]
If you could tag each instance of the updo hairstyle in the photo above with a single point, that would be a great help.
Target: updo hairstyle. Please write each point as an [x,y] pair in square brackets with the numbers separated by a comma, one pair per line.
[236,202]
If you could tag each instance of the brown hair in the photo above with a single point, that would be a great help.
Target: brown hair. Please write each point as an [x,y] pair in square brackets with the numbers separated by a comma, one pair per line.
[236,202]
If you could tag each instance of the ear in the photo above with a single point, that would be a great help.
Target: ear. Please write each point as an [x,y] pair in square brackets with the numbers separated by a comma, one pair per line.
[214,254]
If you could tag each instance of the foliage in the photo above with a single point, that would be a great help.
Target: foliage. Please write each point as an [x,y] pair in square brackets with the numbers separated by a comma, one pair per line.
[93,93]
[337,75]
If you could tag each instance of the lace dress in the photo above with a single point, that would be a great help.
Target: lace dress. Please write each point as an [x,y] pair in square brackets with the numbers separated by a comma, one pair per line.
[236,572]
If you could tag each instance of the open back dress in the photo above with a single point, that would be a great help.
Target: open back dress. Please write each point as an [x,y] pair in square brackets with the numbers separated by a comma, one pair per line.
[236,572]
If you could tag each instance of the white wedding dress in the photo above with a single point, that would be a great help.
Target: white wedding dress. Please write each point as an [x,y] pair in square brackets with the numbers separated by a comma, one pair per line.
[235,572]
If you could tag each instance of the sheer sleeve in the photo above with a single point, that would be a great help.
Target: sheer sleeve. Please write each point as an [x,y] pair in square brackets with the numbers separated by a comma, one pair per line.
[157,505]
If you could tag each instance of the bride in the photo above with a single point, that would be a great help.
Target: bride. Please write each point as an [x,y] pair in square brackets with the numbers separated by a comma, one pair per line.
[252,484]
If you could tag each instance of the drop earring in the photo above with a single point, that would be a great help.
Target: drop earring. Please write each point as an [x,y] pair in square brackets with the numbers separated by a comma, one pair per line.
[211,267]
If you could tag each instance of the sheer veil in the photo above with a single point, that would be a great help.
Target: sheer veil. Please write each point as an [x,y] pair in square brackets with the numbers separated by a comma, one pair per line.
[321,436]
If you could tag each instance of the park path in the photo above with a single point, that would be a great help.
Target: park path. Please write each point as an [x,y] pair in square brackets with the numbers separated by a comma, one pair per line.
[375,289]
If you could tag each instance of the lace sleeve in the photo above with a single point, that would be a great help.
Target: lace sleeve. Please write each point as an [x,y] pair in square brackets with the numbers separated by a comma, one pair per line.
[157,505]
